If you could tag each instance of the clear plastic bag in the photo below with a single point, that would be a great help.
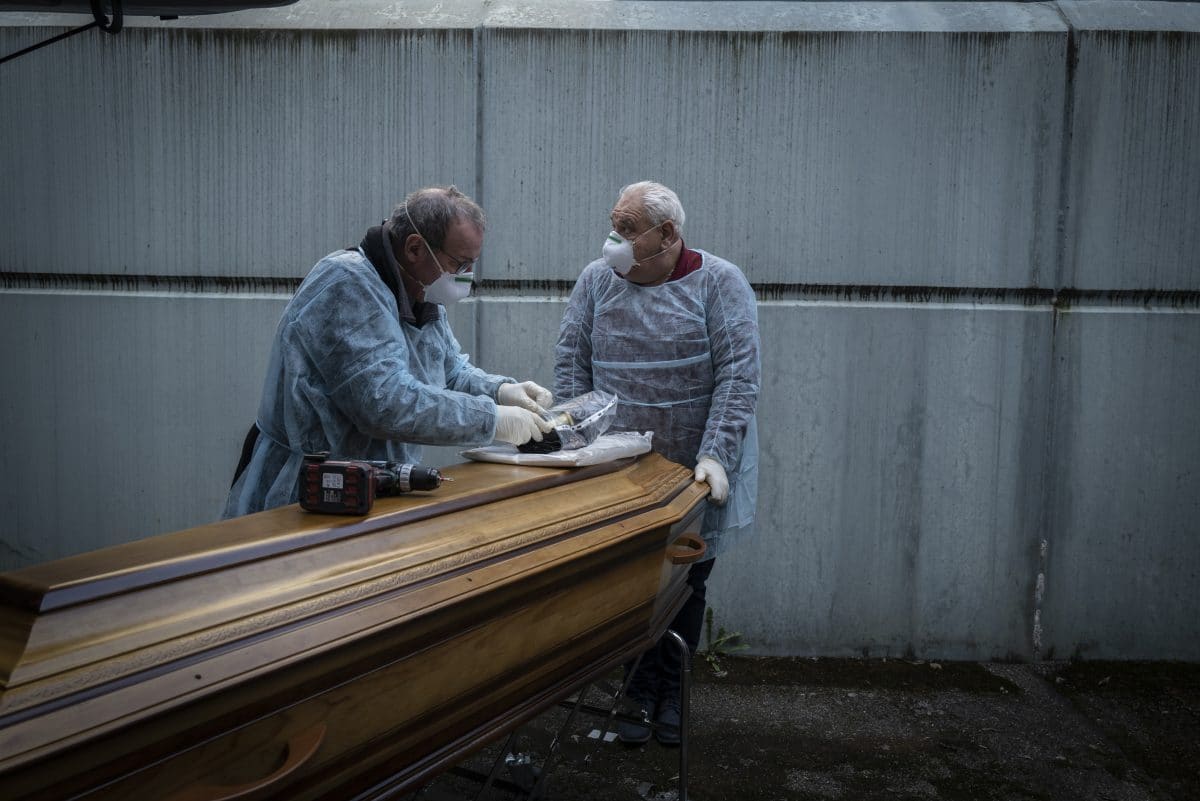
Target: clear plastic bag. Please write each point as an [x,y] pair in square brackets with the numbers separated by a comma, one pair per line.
[578,422]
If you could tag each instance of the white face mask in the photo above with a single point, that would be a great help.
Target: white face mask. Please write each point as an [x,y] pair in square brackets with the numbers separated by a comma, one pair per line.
[618,251]
[449,289]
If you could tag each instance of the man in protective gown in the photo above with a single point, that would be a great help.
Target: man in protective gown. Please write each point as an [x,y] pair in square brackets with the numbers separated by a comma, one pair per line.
[673,332]
[364,364]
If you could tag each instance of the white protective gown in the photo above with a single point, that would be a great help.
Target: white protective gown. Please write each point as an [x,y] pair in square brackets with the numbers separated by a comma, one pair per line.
[348,376]
[683,358]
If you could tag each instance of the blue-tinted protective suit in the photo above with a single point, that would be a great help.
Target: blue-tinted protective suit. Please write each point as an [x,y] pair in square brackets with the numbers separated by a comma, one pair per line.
[683,358]
[348,376]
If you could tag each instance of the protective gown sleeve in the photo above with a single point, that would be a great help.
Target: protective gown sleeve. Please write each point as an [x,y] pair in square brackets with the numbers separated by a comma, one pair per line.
[573,352]
[732,320]
[349,334]
[461,375]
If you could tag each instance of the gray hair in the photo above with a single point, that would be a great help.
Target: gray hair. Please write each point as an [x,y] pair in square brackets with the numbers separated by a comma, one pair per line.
[661,203]
[429,212]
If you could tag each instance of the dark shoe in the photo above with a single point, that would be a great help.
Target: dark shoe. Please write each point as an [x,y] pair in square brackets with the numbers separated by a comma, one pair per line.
[666,725]
[632,733]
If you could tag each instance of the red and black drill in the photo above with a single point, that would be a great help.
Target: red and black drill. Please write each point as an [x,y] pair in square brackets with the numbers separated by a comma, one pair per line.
[350,487]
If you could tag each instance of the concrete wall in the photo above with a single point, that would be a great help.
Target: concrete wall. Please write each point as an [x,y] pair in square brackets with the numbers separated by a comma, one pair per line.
[971,227]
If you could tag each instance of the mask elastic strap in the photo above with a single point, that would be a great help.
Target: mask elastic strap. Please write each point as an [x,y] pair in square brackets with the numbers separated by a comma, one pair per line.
[424,241]
[643,233]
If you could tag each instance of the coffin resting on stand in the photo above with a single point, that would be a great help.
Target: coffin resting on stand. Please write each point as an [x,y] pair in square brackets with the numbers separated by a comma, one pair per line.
[286,655]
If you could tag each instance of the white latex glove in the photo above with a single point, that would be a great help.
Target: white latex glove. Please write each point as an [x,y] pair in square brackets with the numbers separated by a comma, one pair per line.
[709,470]
[517,426]
[527,395]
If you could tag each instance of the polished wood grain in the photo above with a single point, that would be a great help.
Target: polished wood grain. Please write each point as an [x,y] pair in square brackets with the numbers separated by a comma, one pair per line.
[301,656]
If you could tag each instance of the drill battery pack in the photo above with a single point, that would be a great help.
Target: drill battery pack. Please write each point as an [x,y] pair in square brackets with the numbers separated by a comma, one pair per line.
[339,488]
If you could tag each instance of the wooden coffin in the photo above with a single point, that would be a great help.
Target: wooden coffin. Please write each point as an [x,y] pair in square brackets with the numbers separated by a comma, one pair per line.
[287,655]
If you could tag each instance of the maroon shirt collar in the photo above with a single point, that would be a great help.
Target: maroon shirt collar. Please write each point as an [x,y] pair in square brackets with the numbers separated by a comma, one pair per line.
[689,262]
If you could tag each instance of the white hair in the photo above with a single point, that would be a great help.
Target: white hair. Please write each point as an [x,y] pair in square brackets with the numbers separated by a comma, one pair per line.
[661,203]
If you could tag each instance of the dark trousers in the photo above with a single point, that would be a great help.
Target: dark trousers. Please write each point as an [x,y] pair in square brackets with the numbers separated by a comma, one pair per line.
[657,676]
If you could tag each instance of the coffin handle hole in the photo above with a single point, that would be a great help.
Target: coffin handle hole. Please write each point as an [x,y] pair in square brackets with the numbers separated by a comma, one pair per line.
[300,749]
[686,549]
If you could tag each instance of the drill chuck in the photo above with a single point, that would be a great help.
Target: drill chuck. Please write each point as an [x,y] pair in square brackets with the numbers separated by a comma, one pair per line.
[394,478]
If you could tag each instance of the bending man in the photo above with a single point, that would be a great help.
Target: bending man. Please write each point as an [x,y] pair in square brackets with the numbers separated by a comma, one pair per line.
[364,365]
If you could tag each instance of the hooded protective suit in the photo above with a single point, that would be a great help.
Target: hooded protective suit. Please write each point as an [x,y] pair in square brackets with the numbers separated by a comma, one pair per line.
[683,358]
[349,376]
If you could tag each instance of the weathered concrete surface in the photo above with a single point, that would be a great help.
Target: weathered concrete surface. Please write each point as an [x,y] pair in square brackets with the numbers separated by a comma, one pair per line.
[200,152]
[1122,557]
[119,411]
[1135,104]
[970,224]
[908,444]
[818,144]
[849,730]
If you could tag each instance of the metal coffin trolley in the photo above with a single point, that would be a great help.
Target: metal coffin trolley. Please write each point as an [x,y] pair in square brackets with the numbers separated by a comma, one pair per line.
[287,655]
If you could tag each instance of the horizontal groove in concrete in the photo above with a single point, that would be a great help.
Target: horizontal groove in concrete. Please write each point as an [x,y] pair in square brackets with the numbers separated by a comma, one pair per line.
[885,294]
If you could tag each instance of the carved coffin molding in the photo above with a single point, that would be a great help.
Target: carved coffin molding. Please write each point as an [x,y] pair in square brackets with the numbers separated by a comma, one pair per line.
[292,655]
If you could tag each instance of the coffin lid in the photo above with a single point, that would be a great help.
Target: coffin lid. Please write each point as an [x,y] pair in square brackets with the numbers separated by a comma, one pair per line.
[89,621]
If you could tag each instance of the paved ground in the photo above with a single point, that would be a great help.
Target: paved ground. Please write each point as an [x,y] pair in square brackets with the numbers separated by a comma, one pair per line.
[828,729]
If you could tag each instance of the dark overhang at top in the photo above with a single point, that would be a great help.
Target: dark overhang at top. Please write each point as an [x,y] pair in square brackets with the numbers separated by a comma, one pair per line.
[154,8]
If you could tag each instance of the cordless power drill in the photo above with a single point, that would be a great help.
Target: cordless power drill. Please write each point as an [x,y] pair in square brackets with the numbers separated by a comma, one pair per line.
[350,487]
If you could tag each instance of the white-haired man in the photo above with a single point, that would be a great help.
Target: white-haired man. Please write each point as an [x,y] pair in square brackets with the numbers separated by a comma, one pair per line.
[673,332]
